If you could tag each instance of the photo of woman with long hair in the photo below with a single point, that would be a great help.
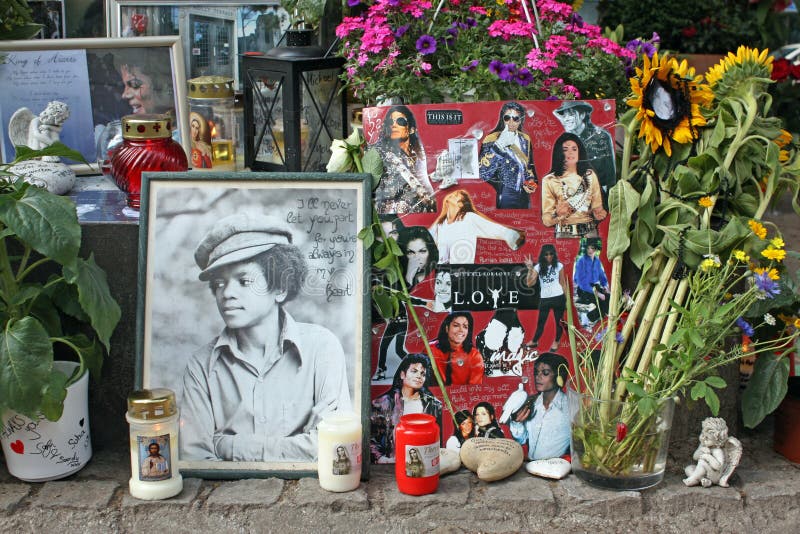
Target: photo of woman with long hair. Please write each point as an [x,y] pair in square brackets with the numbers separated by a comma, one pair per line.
[572,200]
[462,432]
[486,425]
[548,272]
[457,359]
[404,186]
[459,225]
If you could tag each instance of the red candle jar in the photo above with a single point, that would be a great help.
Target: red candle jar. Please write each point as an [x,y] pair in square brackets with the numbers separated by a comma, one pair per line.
[147,146]
[416,467]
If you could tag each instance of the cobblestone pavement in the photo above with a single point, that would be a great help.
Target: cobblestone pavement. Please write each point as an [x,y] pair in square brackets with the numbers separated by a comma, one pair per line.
[764,497]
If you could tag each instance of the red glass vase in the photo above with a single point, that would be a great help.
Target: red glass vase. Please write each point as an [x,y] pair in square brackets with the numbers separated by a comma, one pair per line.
[147,146]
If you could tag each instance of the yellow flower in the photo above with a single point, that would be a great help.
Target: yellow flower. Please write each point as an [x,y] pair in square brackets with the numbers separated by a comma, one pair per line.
[757,228]
[736,73]
[666,78]
[711,262]
[772,273]
[783,139]
[774,254]
[741,255]
[797,323]
[705,202]
[783,156]
[777,242]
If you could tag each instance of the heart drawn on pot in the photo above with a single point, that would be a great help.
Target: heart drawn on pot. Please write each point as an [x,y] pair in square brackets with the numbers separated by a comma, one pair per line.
[81,422]
[18,447]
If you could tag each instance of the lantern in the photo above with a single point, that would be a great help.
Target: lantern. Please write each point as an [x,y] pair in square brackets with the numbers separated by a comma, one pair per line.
[294,107]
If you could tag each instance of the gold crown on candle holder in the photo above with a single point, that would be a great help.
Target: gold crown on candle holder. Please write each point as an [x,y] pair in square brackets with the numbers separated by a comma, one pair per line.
[211,87]
[146,126]
[152,404]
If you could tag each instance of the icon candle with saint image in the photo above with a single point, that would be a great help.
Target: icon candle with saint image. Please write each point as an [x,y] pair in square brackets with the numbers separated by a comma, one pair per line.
[212,127]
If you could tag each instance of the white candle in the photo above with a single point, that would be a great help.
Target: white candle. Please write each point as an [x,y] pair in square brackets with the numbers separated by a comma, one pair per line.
[153,418]
[339,458]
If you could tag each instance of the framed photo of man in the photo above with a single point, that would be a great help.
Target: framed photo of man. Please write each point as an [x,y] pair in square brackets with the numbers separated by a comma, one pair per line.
[253,308]
[99,80]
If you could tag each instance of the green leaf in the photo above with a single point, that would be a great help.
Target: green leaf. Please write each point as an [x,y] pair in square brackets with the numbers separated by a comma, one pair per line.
[384,262]
[766,388]
[623,201]
[26,293]
[56,149]
[46,222]
[635,389]
[373,164]
[712,401]
[646,406]
[90,353]
[715,382]
[26,361]
[23,32]
[65,296]
[53,395]
[95,297]
[45,310]
[699,390]
[394,247]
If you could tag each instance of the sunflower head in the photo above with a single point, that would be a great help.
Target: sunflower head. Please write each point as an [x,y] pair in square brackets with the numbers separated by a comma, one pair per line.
[736,73]
[668,97]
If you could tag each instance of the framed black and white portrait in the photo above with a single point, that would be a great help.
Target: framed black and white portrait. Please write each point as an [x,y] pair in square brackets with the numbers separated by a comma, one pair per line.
[252,308]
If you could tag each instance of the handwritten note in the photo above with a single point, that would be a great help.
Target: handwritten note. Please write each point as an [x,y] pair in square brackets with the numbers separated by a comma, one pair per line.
[33,78]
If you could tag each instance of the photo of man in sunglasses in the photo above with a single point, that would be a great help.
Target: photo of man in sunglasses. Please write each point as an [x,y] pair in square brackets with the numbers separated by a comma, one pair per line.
[507,159]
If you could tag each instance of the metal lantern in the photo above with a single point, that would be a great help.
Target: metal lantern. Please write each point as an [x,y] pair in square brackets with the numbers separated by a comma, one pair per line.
[294,107]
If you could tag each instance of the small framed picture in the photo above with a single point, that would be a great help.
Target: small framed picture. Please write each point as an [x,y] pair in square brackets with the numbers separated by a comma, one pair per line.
[50,14]
[253,308]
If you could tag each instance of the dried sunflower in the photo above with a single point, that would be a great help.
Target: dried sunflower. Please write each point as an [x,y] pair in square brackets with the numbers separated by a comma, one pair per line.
[668,97]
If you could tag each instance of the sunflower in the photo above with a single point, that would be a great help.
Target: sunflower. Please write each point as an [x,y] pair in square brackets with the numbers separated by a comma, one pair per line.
[668,97]
[736,73]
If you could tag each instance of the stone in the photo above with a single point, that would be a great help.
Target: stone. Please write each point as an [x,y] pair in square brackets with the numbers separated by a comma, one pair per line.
[12,494]
[449,461]
[555,468]
[310,493]
[85,494]
[492,459]
[248,492]
[56,177]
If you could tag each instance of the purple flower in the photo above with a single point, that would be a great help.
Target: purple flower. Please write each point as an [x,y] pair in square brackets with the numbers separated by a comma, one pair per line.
[353,3]
[599,336]
[745,327]
[426,45]
[494,66]
[471,22]
[470,66]
[401,30]
[551,97]
[524,77]
[393,2]
[507,72]
[767,285]
[619,338]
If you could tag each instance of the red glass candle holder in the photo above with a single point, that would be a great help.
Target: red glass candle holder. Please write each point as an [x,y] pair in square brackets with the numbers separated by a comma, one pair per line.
[147,146]
[417,445]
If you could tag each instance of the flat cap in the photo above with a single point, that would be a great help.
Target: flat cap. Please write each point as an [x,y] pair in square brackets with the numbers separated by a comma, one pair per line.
[237,238]
[574,104]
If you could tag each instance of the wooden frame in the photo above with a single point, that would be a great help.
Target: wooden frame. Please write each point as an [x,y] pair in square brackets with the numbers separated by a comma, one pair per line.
[256,27]
[178,315]
[86,75]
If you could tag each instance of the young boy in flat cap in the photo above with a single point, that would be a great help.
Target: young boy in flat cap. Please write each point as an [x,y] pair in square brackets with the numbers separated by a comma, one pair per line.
[258,390]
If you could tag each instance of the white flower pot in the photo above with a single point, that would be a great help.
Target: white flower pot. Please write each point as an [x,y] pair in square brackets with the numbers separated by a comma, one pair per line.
[40,450]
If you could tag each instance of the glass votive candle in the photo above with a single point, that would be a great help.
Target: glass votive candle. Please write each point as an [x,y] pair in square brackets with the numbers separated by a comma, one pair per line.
[339,456]
[416,467]
[212,124]
[153,418]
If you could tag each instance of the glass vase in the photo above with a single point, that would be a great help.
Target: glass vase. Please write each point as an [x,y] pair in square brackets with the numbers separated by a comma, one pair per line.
[615,446]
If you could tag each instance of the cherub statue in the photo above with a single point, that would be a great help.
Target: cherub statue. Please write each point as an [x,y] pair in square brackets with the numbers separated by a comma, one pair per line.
[717,456]
[40,132]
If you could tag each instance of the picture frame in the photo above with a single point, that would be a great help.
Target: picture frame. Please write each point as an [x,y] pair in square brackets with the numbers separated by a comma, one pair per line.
[214,33]
[323,213]
[87,75]
[50,14]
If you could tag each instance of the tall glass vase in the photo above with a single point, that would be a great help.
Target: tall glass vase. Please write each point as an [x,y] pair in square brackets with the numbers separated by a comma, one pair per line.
[615,446]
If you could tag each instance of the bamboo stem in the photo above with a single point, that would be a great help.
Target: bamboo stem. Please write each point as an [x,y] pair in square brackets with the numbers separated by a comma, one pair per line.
[672,320]
[665,303]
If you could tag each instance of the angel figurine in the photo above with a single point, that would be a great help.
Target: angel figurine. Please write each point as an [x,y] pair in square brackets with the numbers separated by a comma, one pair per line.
[39,132]
[717,456]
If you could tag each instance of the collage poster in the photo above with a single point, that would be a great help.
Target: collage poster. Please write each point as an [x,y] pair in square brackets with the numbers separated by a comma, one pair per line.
[501,212]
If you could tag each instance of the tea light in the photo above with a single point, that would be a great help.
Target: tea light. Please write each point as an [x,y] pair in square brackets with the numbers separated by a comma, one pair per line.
[153,418]
[339,455]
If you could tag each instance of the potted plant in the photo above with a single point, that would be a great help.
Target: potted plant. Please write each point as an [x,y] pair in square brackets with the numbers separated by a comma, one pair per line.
[16,21]
[52,302]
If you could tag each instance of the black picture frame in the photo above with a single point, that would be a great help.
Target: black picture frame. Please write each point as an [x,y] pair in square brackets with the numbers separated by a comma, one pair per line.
[176,312]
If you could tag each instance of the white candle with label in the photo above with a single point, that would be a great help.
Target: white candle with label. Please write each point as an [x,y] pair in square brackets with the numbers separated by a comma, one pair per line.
[340,456]
[153,418]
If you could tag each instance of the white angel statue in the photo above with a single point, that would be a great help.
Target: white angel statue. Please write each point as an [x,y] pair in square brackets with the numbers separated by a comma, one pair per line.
[40,132]
[717,456]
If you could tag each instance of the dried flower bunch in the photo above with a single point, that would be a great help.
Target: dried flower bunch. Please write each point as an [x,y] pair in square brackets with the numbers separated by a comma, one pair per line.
[467,50]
